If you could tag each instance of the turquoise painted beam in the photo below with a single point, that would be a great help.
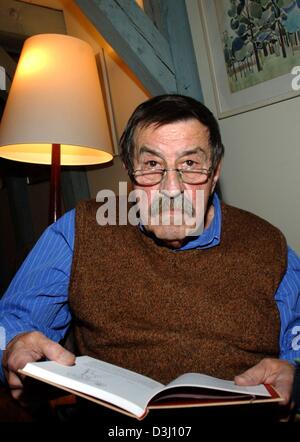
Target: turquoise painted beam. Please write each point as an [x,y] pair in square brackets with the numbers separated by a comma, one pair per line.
[137,41]
[171,19]
[157,11]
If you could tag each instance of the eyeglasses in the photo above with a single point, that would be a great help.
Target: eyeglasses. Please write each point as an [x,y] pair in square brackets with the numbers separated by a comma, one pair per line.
[155,176]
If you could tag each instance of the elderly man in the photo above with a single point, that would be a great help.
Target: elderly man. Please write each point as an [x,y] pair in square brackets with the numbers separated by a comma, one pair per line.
[162,298]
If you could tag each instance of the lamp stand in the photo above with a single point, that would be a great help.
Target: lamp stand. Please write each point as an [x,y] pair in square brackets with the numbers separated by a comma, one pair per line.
[55,192]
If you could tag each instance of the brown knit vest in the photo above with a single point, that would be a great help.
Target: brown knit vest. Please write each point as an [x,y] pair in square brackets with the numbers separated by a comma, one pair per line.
[163,313]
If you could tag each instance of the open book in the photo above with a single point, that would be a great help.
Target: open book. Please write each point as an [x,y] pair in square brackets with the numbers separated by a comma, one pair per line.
[134,394]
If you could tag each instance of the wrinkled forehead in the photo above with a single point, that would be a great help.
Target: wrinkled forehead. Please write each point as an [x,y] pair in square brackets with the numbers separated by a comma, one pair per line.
[188,136]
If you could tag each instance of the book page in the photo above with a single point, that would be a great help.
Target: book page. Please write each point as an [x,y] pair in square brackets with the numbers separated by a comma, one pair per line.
[202,380]
[118,386]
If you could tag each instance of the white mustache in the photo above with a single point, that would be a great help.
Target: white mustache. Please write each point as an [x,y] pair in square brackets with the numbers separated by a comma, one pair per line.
[163,203]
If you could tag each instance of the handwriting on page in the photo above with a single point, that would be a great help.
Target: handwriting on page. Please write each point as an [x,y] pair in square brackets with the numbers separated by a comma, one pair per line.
[89,376]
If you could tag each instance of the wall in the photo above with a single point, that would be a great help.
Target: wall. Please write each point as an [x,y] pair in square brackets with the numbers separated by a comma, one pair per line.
[124,94]
[261,168]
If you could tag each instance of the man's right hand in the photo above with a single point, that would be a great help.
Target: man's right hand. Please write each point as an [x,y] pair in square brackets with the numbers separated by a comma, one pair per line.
[30,347]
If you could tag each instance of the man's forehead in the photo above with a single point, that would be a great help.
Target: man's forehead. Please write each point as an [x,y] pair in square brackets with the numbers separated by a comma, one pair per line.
[180,137]
[146,149]
[191,125]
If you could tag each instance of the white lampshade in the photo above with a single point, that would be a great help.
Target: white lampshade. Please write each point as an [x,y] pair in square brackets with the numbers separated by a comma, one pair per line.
[55,98]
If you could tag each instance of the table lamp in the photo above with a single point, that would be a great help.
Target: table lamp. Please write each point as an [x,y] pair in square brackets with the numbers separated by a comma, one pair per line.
[54,113]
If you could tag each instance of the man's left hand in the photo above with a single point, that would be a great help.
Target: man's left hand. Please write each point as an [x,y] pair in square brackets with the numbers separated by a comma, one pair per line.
[277,372]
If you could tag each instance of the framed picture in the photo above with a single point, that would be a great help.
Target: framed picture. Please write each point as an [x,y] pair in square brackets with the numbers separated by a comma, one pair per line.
[254,51]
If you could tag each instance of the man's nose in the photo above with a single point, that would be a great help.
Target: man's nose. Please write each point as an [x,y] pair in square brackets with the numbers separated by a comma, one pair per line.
[171,185]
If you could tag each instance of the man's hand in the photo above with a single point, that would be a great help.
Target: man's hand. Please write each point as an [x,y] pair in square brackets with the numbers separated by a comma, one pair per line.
[277,372]
[30,347]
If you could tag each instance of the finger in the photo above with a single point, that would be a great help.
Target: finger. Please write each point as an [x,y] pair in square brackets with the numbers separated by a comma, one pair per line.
[17,394]
[283,385]
[253,376]
[14,381]
[55,352]
[20,352]
[284,390]
[15,385]
[18,359]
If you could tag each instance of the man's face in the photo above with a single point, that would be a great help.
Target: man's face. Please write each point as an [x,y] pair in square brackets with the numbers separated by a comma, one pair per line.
[179,145]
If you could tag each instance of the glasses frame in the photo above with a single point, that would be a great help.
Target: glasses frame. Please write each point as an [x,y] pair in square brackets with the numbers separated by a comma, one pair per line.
[202,171]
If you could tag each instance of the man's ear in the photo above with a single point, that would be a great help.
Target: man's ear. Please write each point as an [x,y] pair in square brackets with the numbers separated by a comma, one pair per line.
[216,176]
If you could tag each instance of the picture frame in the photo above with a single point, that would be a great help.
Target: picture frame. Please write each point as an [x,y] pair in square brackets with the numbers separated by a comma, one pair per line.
[245,75]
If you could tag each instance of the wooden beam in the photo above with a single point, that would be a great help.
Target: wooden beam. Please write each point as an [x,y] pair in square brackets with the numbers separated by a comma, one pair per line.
[157,11]
[171,19]
[136,40]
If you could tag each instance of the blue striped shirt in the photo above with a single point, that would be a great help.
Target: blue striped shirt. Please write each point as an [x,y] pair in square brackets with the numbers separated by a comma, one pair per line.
[37,298]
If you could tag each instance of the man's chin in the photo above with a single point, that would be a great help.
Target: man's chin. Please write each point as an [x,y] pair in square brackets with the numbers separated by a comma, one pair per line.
[172,236]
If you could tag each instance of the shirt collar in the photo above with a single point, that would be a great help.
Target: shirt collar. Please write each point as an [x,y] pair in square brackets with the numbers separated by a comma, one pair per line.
[211,236]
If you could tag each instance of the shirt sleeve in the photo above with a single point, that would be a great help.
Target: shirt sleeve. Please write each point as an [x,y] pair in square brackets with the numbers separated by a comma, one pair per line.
[288,302]
[37,298]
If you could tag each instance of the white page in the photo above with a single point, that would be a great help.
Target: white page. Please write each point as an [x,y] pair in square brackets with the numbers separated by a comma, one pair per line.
[202,380]
[118,386]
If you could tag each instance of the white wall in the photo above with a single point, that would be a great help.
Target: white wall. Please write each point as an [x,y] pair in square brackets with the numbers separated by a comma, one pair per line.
[261,169]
